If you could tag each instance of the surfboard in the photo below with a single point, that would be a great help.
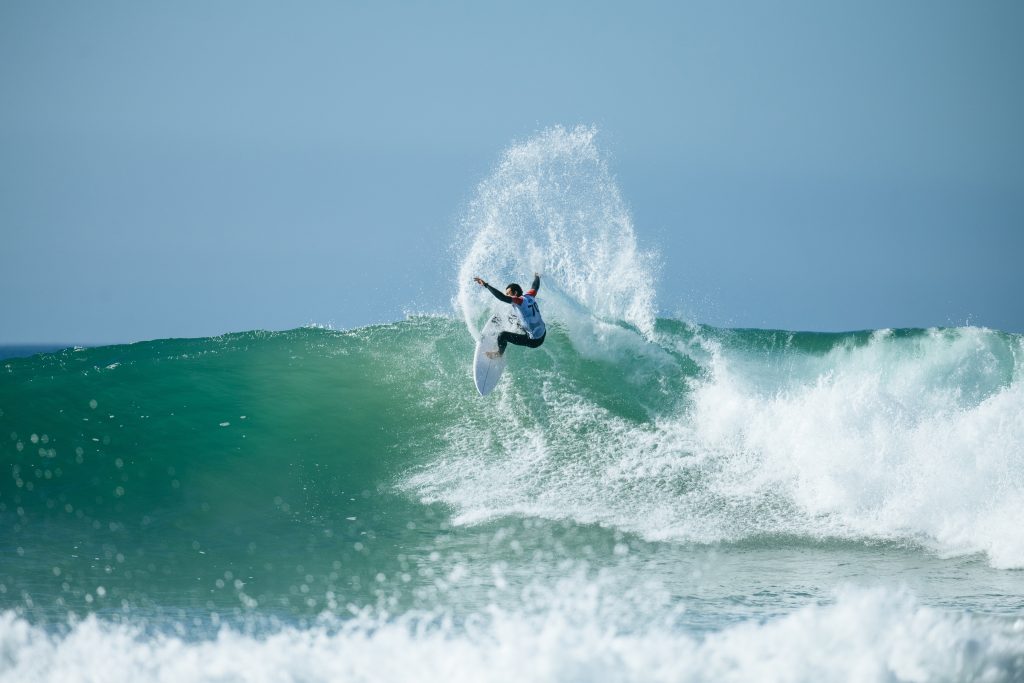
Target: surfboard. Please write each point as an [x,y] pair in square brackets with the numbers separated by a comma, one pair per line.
[487,371]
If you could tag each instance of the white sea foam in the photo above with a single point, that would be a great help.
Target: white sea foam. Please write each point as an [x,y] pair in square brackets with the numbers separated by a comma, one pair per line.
[864,636]
[919,438]
[551,206]
[901,438]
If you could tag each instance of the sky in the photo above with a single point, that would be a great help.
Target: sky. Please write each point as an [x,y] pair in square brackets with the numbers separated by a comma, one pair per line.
[184,169]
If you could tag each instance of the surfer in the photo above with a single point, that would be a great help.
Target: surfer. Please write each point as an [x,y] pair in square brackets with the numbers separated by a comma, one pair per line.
[525,306]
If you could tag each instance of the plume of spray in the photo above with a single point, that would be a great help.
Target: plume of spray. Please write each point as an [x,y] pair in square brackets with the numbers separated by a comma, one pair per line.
[552,207]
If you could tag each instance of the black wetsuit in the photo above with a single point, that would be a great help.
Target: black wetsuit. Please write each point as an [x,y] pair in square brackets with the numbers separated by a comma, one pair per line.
[507,337]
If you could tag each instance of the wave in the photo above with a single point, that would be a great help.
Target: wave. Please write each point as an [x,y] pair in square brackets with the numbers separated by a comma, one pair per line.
[681,432]
[702,435]
[676,432]
[911,436]
[864,635]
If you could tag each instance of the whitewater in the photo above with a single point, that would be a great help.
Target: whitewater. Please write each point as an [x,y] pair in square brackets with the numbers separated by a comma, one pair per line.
[641,499]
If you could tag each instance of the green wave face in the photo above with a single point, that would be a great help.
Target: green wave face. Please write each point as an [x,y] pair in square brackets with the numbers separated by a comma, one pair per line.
[143,467]
[157,469]
[287,470]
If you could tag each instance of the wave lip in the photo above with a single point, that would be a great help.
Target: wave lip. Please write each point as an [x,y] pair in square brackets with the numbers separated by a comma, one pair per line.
[865,636]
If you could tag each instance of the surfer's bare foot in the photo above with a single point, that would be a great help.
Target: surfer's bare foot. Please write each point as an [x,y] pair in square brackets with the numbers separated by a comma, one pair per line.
[493,354]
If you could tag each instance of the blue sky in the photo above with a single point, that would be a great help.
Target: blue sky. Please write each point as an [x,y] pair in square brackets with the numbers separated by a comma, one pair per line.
[193,168]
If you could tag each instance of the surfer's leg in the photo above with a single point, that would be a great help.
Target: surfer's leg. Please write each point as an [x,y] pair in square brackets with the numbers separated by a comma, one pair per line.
[503,340]
[506,338]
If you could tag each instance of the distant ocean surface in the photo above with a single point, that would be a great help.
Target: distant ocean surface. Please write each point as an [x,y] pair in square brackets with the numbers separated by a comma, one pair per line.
[642,498]
[23,350]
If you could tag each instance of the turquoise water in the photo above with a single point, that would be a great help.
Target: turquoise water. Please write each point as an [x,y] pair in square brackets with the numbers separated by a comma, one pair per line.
[641,499]
[331,492]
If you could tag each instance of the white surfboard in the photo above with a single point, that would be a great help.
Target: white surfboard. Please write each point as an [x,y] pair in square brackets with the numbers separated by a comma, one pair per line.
[487,371]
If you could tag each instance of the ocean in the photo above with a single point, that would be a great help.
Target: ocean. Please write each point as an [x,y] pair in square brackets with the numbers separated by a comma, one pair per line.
[642,498]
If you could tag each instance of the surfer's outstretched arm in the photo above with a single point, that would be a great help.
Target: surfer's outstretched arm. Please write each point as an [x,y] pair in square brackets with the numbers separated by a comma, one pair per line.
[497,295]
[536,283]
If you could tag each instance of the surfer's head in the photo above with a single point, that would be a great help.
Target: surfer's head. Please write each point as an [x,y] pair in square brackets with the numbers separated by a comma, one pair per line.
[514,290]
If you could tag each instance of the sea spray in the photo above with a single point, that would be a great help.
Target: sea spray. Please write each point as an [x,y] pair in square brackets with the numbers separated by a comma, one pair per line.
[552,206]
[907,436]
[904,435]
[863,636]
[913,435]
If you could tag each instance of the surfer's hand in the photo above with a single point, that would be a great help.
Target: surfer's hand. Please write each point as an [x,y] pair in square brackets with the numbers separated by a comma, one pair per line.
[480,282]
